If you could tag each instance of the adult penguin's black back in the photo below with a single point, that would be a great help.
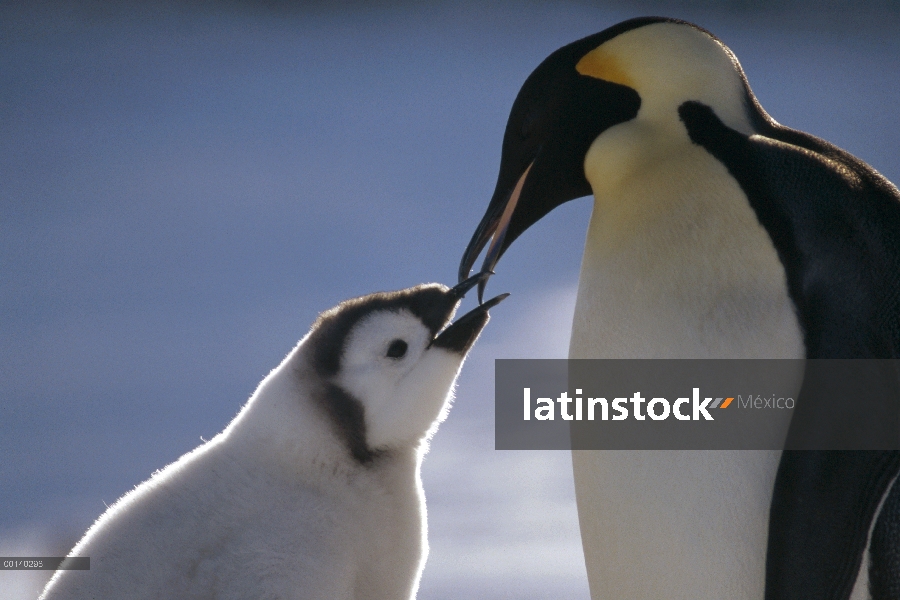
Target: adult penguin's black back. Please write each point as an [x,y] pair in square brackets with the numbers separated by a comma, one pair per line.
[622,114]
[835,223]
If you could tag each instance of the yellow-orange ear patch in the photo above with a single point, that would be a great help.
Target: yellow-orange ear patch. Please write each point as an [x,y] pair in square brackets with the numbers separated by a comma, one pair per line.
[602,65]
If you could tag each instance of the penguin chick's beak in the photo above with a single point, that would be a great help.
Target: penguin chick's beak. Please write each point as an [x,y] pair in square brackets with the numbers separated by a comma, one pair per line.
[460,335]
[460,289]
[437,306]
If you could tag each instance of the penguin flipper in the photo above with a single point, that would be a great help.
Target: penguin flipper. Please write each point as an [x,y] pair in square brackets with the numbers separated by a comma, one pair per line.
[822,506]
[824,501]
[835,223]
[884,550]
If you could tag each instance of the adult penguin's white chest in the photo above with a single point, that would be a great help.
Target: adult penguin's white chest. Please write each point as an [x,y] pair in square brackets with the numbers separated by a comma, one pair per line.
[676,265]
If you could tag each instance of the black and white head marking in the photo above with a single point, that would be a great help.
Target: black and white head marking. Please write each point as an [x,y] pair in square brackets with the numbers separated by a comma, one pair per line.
[388,361]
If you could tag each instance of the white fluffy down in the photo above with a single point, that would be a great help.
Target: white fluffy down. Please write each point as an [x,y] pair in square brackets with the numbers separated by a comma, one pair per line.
[275,506]
[403,396]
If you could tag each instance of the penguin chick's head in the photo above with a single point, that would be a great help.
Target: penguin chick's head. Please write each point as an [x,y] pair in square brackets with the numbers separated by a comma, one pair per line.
[641,70]
[390,360]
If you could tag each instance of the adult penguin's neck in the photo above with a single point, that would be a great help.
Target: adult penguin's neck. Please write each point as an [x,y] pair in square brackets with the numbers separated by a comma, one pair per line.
[676,263]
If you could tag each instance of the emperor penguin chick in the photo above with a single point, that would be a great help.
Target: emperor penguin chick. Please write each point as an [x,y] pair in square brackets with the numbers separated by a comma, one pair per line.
[313,491]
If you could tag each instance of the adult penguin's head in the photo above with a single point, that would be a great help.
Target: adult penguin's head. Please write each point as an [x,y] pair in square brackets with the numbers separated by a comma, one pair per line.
[639,69]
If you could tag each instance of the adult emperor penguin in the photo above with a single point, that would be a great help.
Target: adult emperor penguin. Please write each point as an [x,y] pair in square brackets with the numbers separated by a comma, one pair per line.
[715,233]
[313,491]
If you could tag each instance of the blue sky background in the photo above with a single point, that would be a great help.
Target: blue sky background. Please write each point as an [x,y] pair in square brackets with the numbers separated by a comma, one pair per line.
[183,187]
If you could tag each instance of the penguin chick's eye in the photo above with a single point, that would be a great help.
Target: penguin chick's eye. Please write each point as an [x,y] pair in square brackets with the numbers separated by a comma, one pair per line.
[397,349]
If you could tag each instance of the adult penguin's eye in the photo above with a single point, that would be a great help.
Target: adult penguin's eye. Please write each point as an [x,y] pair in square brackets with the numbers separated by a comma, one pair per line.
[532,125]
[528,124]
[397,349]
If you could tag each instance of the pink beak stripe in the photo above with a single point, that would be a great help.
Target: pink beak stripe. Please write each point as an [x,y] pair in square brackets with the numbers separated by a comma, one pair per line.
[503,224]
